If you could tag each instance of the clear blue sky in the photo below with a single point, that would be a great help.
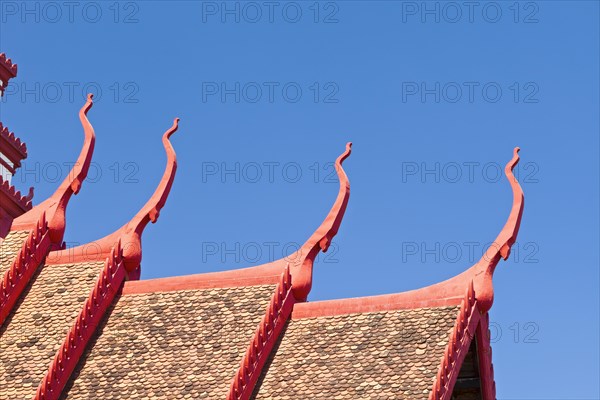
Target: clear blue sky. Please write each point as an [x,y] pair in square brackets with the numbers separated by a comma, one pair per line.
[434,97]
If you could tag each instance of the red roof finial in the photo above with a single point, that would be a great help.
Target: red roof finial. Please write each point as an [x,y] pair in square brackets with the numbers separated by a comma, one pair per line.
[321,239]
[500,248]
[130,233]
[55,206]
[151,209]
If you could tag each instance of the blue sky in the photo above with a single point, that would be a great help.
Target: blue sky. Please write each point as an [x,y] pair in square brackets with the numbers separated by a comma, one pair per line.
[433,95]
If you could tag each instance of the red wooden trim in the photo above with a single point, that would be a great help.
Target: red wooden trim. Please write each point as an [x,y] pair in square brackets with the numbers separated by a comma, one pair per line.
[6,165]
[484,355]
[265,337]
[457,348]
[11,146]
[107,286]
[8,65]
[55,206]
[130,234]
[193,282]
[386,302]
[13,202]
[30,257]
[8,70]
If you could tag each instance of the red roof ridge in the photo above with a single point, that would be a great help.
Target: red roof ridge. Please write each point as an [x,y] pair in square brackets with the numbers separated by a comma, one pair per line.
[129,234]
[55,206]
[264,339]
[369,304]
[100,298]
[211,280]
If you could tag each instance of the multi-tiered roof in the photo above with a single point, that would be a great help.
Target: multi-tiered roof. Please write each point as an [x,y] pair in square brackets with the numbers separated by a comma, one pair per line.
[79,324]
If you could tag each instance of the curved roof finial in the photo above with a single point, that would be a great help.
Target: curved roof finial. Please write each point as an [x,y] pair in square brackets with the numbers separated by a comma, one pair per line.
[500,248]
[56,204]
[130,233]
[321,239]
[151,210]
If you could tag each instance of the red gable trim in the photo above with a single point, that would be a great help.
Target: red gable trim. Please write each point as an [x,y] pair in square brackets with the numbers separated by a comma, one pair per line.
[108,284]
[264,339]
[457,348]
[484,350]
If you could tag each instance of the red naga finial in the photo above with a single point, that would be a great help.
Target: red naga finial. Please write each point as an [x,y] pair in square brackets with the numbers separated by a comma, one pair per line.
[321,239]
[151,209]
[500,248]
[55,206]
[130,233]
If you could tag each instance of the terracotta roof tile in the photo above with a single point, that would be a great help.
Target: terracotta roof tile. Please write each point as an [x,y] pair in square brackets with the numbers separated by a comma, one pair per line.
[381,355]
[9,248]
[37,326]
[170,345]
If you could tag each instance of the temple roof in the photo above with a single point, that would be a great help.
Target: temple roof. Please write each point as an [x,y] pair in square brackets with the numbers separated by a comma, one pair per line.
[164,344]
[76,324]
[387,354]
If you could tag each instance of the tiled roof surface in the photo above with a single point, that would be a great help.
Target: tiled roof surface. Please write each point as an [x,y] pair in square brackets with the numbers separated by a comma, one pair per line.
[170,345]
[36,328]
[383,355]
[9,248]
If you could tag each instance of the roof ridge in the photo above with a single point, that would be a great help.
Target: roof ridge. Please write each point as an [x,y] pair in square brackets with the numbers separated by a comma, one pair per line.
[266,335]
[109,282]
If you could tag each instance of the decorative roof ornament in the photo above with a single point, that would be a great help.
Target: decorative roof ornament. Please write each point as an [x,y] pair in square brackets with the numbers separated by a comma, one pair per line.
[322,237]
[13,202]
[130,234]
[17,150]
[300,263]
[55,206]
[8,70]
[446,293]
[483,271]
